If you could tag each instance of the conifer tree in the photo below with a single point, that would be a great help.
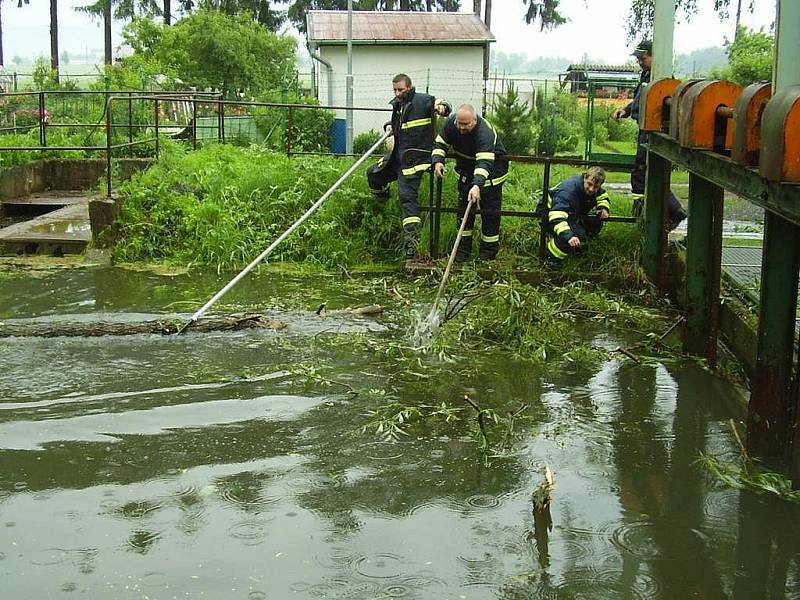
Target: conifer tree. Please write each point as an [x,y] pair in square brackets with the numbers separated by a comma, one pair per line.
[512,119]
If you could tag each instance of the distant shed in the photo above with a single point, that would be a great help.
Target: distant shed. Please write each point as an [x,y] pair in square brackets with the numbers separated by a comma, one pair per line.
[605,80]
[442,52]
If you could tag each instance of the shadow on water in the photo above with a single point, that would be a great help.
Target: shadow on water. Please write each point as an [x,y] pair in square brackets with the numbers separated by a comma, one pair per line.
[128,463]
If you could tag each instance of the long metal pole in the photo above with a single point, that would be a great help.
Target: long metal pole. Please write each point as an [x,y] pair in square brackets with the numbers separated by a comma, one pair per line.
[284,235]
[349,98]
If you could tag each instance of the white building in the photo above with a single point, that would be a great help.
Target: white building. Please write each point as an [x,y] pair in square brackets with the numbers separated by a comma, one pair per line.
[442,52]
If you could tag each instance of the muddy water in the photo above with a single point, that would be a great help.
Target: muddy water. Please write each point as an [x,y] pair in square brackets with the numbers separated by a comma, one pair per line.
[235,466]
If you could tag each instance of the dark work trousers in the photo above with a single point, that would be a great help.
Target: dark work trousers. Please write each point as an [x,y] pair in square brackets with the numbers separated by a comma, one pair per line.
[490,204]
[584,230]
[676,212]
[381,174]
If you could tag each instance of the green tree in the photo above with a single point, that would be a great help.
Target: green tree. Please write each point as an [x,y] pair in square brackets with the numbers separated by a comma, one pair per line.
[750,57]
[642,12]
[512,119]
[210,49]
[545,11]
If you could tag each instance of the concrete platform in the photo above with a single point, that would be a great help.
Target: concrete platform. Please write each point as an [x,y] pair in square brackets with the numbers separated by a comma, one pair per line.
[62,231]
[40,203]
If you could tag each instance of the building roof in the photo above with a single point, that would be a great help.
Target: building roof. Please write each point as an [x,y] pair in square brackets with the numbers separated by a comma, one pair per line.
[603,68]
[328,27]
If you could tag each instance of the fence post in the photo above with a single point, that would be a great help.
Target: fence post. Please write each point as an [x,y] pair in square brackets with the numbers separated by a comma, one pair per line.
[194,122]
[289,132]
[157,119]
[42,135]
[108,146]
[130,118]
[543,219]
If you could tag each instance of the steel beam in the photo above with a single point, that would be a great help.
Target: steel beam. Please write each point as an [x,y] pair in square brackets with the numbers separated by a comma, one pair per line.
[771,405]
[779,198]
[654,255]
[703,263]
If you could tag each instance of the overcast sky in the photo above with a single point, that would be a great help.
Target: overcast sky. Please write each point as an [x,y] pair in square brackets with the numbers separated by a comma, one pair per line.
[595,28]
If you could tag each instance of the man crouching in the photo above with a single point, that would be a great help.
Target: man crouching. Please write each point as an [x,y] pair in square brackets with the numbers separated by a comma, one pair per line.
[570,203]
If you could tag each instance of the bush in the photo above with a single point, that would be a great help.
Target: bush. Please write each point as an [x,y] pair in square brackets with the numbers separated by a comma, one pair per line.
[212,207]
[512,120]
[364,141]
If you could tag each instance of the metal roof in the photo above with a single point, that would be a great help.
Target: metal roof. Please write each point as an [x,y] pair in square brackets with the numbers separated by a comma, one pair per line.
[370,27]
[603,68]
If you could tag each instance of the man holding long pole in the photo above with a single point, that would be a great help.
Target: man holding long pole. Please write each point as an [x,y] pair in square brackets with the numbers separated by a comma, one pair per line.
[482,167]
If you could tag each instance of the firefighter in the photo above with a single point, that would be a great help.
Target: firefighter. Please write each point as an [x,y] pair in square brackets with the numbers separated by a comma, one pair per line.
[482,167]
[411,127]
[570,202]
[644,56]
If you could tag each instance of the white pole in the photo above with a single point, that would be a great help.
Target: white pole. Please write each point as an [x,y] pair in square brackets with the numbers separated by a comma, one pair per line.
[349,93]
[283,236]
[787,45]
[663,32]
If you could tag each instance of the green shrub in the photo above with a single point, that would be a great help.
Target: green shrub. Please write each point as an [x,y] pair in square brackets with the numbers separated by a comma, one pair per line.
[365,140]
[513,120]
[223,205]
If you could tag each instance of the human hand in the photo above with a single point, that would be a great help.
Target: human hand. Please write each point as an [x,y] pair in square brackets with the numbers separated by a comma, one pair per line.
[387,129]
[574,241]
[442,108]
[474,194]
[602,214]
[439,170]
[619,113]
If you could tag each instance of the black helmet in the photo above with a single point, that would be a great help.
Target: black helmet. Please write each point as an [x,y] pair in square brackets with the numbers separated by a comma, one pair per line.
[644,48]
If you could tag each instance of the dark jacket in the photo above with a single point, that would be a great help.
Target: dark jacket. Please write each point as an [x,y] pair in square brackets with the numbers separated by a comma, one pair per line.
[632,110]
[569,202]
[412,126]
[480,154]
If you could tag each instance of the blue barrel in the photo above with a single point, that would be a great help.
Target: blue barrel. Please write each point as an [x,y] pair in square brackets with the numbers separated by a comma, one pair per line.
[338,136]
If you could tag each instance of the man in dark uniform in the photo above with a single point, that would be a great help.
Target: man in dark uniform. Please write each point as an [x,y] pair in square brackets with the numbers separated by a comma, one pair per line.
[412,128]
[644,56]
[570,202]
[482,167]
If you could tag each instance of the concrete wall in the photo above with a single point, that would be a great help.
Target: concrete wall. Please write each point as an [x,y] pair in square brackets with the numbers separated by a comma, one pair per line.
[61,174]
[454,73]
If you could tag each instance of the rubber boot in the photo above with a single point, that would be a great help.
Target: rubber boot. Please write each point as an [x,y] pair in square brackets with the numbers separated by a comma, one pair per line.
[488,251]
[464,251]
[411,236]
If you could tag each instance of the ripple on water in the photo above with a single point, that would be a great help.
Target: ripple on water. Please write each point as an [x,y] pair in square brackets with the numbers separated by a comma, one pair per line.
[250,532]
[154,579]
[340,588]
[239,500]
[592,582]
[69,586]
[336,561]
[256,595]
[142,539]
[385,450]
[47,557]
[379,566]
[720,507]
[636,538]
[483,501]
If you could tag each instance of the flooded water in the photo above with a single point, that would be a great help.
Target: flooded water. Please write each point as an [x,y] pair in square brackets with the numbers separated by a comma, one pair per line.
[250,465]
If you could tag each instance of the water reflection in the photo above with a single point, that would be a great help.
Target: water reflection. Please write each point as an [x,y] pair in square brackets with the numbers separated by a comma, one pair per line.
[159,468]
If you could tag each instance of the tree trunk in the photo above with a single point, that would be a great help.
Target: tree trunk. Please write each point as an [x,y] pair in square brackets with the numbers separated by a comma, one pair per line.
[738,19]
[167,12]
[107,30]
[39,328]
[54,38]
[488,18]
[476,7]
[1,35]
[405,5]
